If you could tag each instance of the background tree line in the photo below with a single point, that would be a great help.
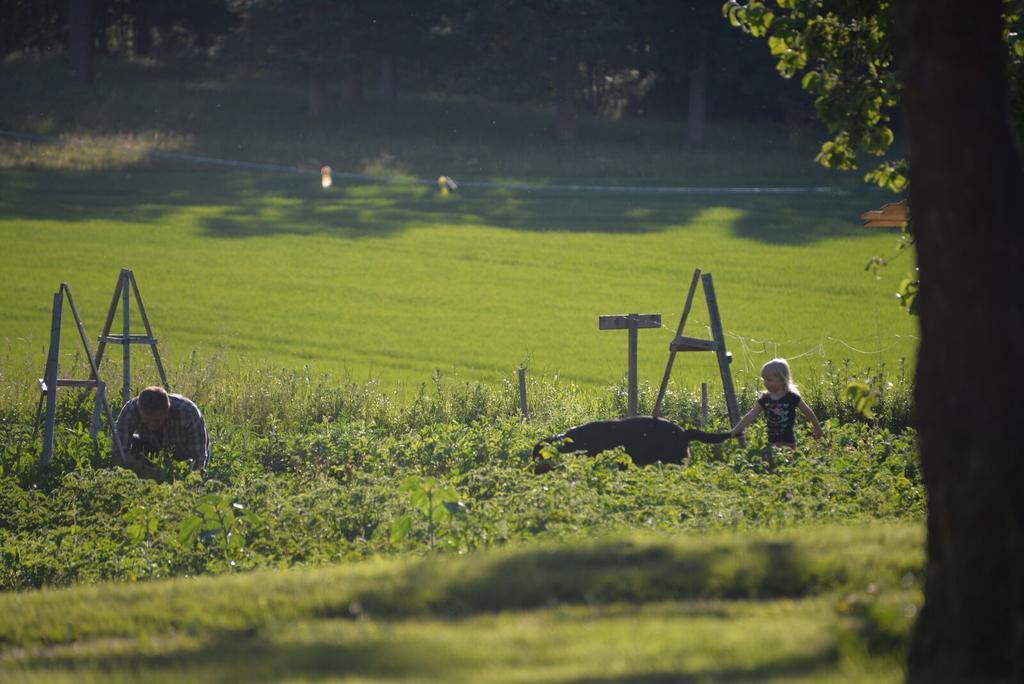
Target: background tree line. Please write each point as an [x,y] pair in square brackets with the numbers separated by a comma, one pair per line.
[598,57]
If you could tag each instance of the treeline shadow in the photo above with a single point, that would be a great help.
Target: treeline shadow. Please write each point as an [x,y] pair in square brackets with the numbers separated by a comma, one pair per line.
[245,203]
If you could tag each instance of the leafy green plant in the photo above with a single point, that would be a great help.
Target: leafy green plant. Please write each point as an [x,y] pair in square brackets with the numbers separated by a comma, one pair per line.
[432,499]
[216,521]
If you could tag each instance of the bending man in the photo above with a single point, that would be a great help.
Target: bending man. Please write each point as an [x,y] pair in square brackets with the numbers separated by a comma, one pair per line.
[156,421]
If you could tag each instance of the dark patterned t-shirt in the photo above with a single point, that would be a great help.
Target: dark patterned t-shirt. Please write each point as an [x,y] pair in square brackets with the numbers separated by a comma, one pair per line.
[780,414]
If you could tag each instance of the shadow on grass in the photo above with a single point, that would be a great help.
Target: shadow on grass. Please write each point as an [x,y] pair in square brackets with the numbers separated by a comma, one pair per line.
[254,658]
[242,658]
[610,572]
[779,670]
[243,204]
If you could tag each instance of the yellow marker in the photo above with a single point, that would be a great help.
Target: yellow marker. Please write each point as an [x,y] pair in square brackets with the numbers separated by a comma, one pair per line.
[325,177]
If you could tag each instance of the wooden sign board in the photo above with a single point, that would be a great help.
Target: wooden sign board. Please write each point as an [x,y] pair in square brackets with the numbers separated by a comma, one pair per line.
[626,321]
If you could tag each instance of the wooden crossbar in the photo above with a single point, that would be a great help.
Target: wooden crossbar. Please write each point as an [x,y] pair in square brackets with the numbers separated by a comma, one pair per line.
[684,344]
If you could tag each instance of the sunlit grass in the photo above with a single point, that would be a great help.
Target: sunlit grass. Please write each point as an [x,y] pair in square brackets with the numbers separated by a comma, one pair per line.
[664,608]
[393,281]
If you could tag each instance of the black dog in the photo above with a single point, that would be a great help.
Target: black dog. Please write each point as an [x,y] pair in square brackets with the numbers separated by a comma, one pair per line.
[647,440]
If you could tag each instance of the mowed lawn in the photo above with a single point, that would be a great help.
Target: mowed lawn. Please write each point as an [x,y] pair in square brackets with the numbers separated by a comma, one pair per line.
[394,281]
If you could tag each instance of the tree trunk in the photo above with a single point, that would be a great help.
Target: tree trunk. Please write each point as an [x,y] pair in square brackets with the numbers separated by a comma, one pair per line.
[966,186]
[565,94]
[698,106]
[80,28]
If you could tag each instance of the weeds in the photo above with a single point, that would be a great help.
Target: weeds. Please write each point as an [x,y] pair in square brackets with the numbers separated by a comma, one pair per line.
[309,470]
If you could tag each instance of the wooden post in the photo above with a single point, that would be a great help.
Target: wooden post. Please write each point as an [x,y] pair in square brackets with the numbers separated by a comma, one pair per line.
[523,409]
[703,404]
[50,381]
[126,386]
[149,330]
[724,358]
[631,322]
[101,401]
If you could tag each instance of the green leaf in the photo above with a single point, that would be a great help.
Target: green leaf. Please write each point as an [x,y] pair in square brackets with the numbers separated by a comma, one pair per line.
[189,530]
[907,292]
[400,528]
[410,484]
[447,494]
[136,533]
[236,542]
[811,81]
[863,397]
[420,500]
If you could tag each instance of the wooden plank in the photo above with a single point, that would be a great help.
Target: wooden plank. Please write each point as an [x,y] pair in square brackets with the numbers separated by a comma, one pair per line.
[132,339]
[523,408]
[656,411]
[891,215]
[626,321]
[149,331]
[110,318]
[631,385]
[724,359]
[68,382]
[126,387]
[684,344]
[51,378]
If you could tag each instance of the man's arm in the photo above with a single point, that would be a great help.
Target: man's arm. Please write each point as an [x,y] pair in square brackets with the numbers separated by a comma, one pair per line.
[195,441]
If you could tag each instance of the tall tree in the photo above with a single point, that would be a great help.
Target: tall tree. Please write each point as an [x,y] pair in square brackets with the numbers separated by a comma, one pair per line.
[966,190]
[544,41]
[946,61]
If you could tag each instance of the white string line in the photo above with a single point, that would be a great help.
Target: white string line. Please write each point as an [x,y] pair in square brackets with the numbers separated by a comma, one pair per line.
[527,187]
[818,349]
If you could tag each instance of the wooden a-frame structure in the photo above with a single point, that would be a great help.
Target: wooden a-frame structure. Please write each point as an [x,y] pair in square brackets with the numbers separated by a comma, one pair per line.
[692,344]
[51,380]
[125,287]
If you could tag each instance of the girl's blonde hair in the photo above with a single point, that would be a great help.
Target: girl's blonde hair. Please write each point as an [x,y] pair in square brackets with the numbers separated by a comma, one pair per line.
[780,368]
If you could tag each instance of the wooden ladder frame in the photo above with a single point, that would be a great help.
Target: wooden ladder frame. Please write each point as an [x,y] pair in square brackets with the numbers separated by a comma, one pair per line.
[51,382]
[716,344]
[126,339]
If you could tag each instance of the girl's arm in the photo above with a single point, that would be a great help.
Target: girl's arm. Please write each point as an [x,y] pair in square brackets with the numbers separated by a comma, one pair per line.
[746,420]
[809,415]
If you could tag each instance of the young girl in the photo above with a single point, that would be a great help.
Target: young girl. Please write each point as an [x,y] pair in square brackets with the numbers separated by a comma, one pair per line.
[780,403]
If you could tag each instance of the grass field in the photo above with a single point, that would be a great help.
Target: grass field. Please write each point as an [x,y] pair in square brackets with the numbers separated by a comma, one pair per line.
[814,604]
[393,281]
[278,305]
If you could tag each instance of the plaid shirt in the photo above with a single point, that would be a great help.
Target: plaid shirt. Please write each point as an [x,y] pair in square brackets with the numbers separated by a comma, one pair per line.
[183,433]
